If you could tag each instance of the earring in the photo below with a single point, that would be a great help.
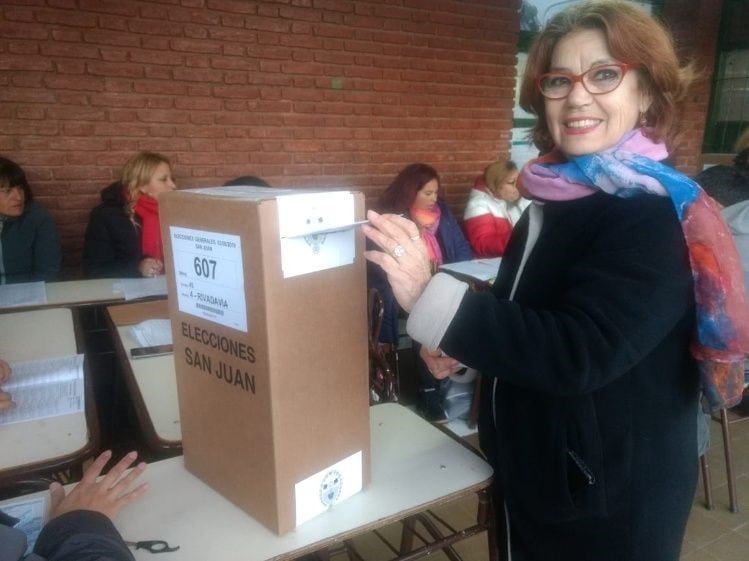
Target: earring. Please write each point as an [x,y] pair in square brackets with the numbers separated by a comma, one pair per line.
[643,120]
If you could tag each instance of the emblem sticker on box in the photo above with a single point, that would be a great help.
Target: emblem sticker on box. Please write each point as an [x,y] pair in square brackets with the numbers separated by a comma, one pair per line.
[328,487]
[209,276]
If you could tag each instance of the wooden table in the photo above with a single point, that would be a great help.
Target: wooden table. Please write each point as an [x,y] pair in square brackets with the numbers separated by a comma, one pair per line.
[415,467]
[151,381]
[43,447]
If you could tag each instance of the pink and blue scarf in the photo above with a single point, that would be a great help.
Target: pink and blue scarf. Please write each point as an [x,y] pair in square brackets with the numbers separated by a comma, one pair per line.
[630,168]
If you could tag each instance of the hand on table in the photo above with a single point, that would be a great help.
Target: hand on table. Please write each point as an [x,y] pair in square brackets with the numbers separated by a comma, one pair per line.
[439,365]
[6,402]
[108,495]
[404,259]
[150,267]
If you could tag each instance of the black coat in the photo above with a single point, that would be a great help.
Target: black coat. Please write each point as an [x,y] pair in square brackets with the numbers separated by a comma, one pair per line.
[594,443]
[79,535]
[112,246]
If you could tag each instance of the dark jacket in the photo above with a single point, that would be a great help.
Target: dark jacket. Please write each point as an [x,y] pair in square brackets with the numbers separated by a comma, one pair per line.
[589,396]
[454,248]
[30,249]
[80,535]
[112,246]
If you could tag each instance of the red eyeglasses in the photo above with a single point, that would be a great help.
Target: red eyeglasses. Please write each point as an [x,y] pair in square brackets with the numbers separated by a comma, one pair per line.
[596,80]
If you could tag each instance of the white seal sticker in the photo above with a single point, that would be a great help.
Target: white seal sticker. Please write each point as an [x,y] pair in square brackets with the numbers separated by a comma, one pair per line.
[328,487]
[209,276]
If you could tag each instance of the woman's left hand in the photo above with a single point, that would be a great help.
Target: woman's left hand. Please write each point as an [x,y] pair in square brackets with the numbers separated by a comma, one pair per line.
[404,259]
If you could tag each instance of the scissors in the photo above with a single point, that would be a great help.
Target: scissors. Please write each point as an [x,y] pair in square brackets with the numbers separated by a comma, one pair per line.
[153,546]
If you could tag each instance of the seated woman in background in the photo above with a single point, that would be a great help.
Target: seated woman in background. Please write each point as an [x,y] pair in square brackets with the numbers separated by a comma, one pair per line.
[414,193]
[123,237]
[29,244]
[493,208]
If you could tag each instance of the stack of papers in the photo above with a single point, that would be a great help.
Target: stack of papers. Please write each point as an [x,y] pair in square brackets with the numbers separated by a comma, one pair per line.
[44,388]
[152,332]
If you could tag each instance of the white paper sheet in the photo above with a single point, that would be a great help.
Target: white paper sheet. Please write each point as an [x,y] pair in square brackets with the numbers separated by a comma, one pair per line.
[30,513]
[23,294]
[480,269]
[152,332]
[300,216]
[142,288]
[209,275]
[44,388]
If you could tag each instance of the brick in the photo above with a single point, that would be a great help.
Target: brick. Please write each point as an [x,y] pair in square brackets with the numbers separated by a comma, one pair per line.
[198,75]
[195,46]
[123,70]
[98,37]
[345,6]
[234,6]
[115,23]
[303,14]
[83,83]
[162,116]
[75,19]
[108,7]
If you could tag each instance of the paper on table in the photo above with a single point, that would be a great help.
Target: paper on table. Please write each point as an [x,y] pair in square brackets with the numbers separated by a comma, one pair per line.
[142,288]
[30,514]
[152,332]
[480,269]
[300,217]
[44,388]
[23,294]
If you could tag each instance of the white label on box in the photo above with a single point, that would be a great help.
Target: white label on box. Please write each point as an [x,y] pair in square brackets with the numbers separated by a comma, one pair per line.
[301,217]
[319,492]
[209,275]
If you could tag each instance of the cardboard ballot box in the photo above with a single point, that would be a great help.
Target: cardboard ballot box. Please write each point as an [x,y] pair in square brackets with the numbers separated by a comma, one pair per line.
[267,297]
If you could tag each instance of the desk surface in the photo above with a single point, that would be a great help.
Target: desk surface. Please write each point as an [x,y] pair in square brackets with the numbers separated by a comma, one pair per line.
[414,467]
[152,380]
[33,335]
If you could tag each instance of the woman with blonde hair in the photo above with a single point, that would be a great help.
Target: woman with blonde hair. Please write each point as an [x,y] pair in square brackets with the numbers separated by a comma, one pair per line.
[494,207]
[123,237]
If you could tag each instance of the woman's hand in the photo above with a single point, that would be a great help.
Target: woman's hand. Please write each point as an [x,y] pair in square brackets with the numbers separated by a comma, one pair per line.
[439,365]
[404,259]
[107,496]
[150,267]
[6,402]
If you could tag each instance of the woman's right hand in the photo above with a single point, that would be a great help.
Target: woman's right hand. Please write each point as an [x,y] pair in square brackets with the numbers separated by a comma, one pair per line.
[6,402]
[404,257]
[150,267]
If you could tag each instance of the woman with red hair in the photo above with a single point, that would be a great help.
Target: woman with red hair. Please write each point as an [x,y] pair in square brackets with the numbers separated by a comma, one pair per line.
[414,193]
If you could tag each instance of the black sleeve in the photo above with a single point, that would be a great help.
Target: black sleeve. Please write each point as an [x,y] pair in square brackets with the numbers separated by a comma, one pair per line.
[82,535]
[627,290]
[101,258]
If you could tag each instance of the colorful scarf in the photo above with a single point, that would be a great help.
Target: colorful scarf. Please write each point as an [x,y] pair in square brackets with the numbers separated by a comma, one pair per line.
[428,222]
[630,168]
[150,240]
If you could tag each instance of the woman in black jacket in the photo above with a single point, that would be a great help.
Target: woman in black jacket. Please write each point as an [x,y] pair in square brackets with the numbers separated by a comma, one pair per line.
[589,390]
[122,237]
[29,244]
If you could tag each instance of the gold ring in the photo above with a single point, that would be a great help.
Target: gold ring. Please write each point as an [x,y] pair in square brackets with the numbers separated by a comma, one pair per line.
[415,238]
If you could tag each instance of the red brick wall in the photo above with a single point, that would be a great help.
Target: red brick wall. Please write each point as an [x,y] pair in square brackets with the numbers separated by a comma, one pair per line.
[695,25]
[300,92]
